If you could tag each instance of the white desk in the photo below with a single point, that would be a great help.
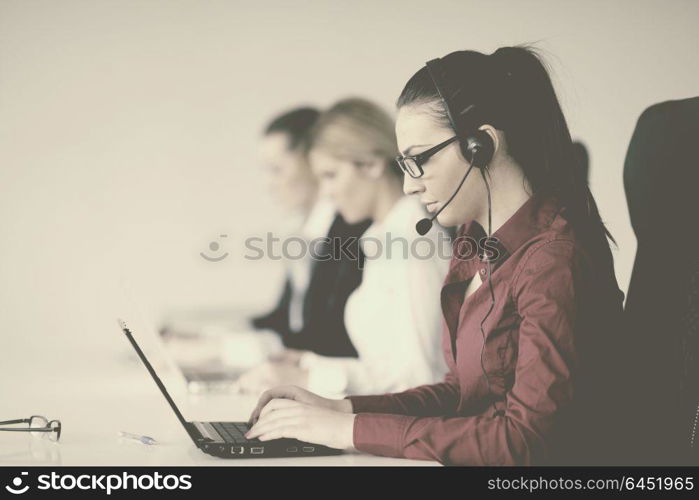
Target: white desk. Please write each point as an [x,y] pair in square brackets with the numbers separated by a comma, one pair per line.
[96,399]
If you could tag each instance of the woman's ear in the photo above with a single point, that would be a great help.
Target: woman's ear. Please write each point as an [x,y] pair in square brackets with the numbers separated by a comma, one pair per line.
[495,136]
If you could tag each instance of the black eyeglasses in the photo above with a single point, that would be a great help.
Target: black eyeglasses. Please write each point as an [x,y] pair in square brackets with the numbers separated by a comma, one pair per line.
[50,429]
[412,165]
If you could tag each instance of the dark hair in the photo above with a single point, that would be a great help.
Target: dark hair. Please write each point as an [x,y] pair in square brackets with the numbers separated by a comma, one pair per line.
[296,123]
[511,90]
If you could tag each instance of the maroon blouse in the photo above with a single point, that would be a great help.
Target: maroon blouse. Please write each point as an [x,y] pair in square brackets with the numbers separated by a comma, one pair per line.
[556,303]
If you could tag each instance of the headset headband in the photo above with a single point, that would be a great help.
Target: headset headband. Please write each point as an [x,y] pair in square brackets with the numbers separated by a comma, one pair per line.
[435,70]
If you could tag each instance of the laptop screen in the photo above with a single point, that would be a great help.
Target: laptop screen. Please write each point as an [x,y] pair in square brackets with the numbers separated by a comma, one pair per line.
[157,380]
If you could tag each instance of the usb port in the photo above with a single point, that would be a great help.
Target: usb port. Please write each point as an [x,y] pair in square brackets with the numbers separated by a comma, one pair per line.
[292,449]
[257,450]
[237,450]
[308,449]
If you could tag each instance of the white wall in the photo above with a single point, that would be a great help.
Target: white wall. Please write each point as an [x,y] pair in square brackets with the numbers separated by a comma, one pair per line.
[128,130]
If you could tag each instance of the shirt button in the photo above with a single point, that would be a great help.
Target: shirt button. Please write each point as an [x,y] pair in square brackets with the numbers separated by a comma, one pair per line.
[482,271]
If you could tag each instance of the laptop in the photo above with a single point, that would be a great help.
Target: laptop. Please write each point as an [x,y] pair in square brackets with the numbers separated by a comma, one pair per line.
[227,439]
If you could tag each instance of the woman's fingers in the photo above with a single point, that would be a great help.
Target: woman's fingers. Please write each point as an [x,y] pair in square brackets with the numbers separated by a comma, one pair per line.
[288,431]
[283,418]
[283,392]
[277,404]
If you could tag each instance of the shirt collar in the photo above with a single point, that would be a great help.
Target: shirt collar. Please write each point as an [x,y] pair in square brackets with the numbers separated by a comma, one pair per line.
[534,216]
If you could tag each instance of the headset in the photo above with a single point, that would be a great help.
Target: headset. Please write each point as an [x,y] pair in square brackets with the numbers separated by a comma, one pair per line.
[477,147]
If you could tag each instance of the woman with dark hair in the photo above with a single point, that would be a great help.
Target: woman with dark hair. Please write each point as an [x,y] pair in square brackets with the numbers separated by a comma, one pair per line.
[530,323]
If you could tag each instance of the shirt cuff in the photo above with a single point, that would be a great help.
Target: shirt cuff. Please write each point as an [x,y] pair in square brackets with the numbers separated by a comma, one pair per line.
[372,404]
[380,433]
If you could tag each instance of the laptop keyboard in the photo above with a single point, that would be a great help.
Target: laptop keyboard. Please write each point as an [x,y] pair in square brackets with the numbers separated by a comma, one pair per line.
[233,432]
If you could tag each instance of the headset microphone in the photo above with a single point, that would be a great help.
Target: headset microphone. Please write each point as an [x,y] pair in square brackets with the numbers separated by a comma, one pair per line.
[424,225]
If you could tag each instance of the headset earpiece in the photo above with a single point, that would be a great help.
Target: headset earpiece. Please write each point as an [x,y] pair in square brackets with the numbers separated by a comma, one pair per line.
[478,148]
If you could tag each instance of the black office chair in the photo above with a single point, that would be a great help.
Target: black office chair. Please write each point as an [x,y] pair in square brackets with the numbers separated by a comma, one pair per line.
[661,179]
[690,375]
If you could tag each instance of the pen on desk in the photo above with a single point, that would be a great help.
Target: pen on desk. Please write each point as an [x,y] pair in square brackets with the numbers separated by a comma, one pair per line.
[136,437]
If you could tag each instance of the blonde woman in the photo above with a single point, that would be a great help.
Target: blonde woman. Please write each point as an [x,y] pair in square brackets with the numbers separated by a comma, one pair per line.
[393,317]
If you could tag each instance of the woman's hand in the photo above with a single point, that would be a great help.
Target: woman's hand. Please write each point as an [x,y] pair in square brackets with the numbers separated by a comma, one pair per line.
[270,374]
[291,412]
[295,393]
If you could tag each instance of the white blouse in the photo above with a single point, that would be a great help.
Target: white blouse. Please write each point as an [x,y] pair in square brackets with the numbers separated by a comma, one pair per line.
[394,317]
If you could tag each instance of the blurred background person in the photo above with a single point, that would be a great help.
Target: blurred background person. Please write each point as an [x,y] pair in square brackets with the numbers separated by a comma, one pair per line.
[393,317]
[309,313]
